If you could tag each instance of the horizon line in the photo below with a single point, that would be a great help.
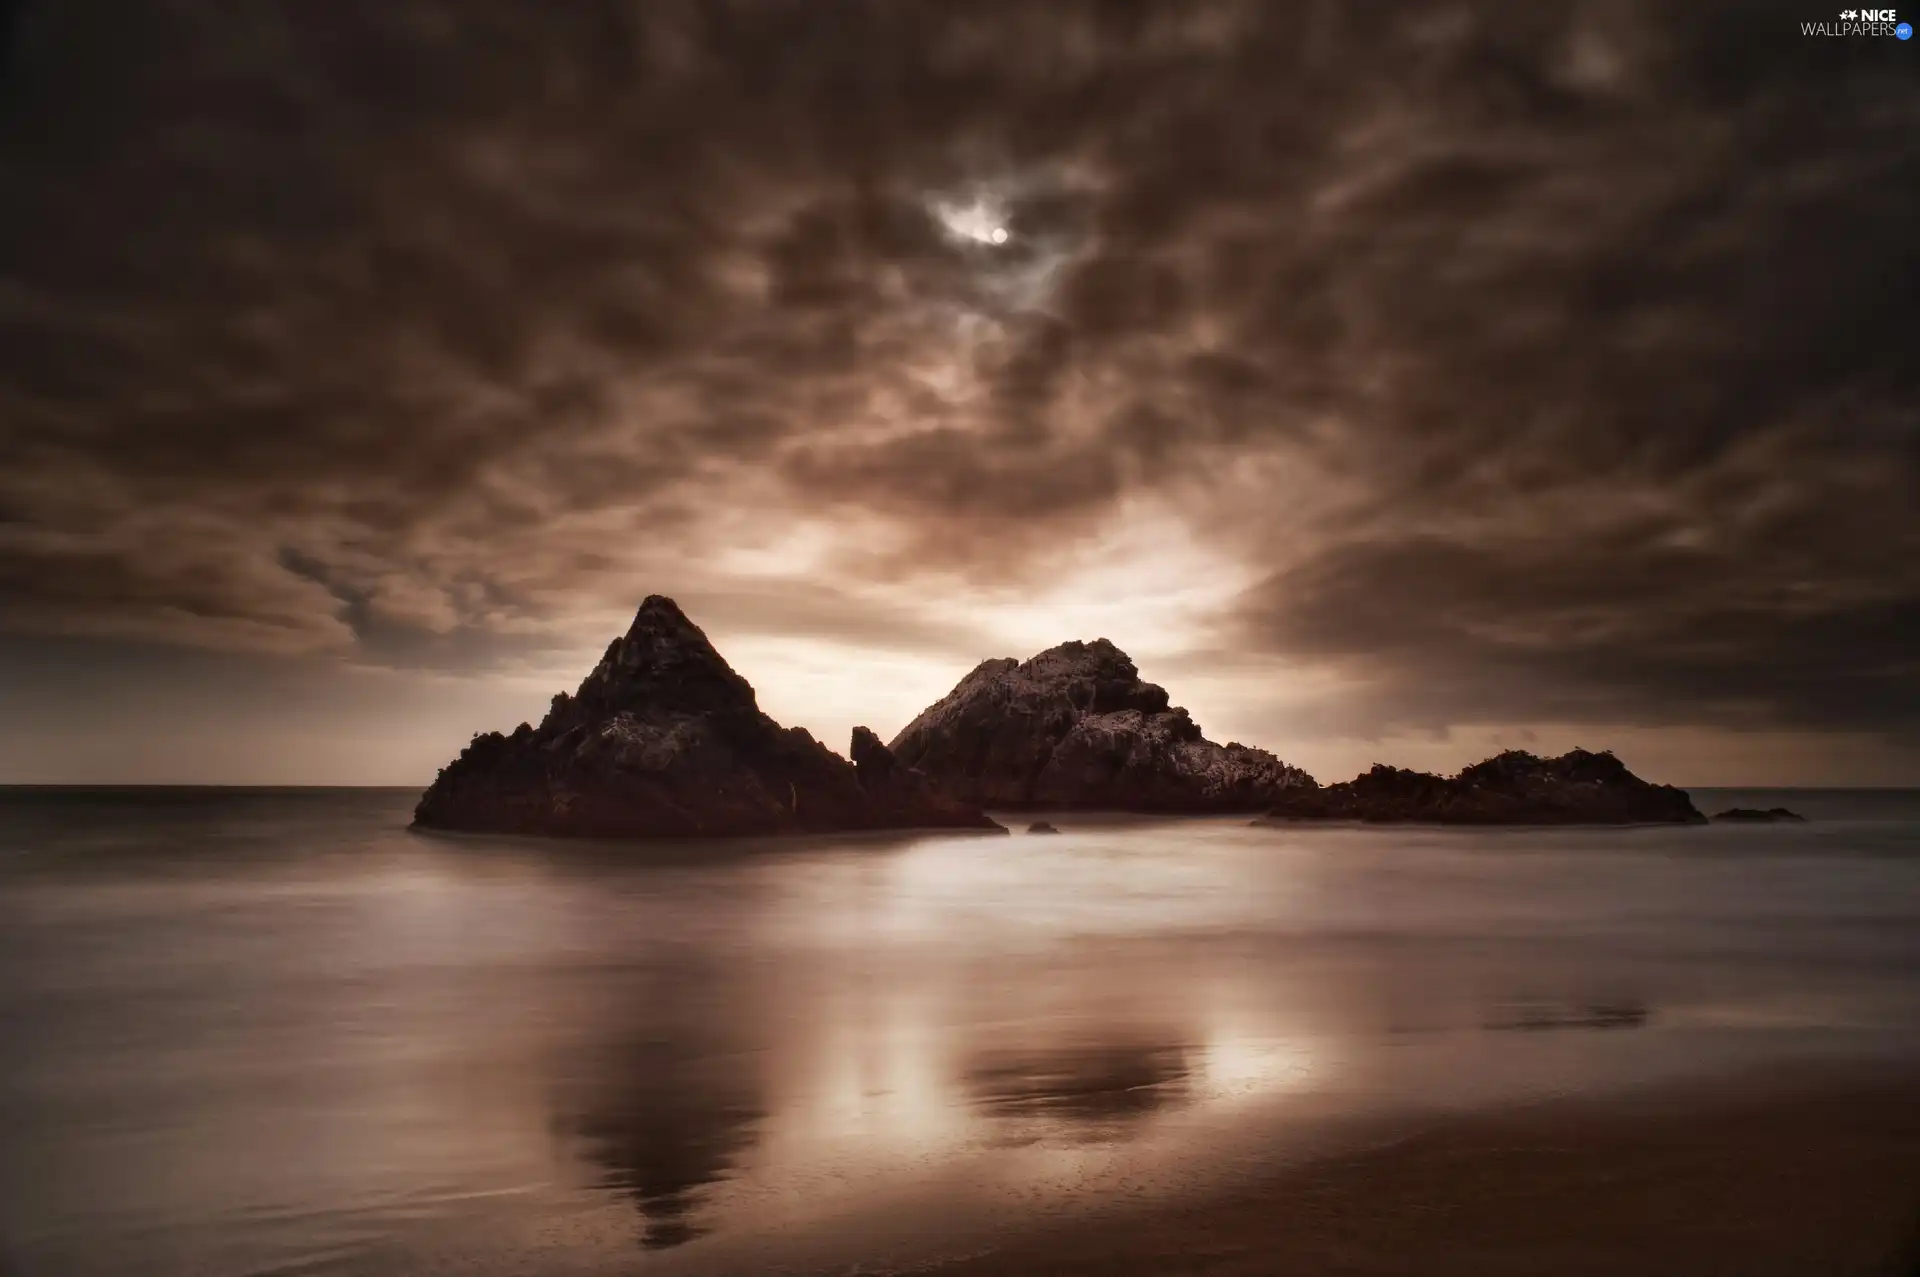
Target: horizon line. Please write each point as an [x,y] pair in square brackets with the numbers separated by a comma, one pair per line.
[294,785]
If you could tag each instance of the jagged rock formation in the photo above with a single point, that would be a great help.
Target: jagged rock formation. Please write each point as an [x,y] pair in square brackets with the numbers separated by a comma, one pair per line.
[1514,788]
[1076,728]
[1757,814]
[664,738]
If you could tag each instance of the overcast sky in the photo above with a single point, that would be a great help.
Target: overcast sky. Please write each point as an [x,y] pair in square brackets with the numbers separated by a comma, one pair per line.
[1393,382]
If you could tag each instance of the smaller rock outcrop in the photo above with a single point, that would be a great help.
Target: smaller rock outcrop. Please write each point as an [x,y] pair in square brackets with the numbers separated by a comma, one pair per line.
[903,796]
[1041,827]
[1514,788]
[1076,729]
[1757,814]
[664,738]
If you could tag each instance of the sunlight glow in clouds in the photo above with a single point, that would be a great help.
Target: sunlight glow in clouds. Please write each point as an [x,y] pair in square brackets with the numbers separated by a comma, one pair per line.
[982,220]
[1146,581]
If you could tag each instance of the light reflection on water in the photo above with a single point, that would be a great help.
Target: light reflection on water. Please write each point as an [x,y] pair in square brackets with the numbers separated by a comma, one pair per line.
[252,1033]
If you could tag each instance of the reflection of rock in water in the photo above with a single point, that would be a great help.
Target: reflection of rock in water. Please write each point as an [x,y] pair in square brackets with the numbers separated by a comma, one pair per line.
[1081,1092]
[1625,1013]
[665,1122]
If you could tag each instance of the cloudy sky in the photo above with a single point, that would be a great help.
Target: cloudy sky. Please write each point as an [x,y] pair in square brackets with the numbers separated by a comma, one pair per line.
[1392,381]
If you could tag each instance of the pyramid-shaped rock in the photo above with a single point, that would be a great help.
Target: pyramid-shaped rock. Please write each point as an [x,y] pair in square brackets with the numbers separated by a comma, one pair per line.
[665,739]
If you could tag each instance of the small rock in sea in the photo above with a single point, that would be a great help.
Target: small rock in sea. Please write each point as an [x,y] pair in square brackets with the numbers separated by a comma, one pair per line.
[1041,827]
[1756,814]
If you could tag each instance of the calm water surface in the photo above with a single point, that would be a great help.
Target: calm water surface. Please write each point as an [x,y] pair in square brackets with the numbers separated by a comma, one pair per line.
[254,1032]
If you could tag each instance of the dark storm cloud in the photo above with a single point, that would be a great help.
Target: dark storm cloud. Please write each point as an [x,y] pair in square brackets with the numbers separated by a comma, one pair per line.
[1548,361]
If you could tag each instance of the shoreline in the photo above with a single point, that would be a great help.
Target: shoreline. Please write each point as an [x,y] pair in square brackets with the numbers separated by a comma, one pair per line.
[1813,1172]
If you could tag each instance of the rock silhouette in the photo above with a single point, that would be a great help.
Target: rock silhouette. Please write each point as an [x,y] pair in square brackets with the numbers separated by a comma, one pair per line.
[663,738]
[1514,788]
[1757,814]
[1076,728]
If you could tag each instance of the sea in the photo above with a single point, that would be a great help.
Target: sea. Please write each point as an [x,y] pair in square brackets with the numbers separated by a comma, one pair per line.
[250,1032]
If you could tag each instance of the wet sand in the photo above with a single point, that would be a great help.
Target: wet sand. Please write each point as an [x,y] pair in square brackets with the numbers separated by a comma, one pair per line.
[1807,1175]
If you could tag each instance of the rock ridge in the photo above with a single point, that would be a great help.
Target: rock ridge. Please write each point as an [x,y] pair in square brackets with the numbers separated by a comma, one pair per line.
[1512,788]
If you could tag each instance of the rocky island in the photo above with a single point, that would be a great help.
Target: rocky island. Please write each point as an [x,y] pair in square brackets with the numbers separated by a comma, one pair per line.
[1076,728]
[1513,788]
[1755,814]
[665,739]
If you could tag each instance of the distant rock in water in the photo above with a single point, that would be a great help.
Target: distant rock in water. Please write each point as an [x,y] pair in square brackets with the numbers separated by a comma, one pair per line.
[1594,1015]
[1756,814]
[1514,788]
[665,739]
[1076,728]
[1041,827]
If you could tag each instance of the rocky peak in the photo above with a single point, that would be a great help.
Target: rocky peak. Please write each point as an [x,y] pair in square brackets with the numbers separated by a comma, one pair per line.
[664,663]
[1576,766]
[1076,726]
[1096,677]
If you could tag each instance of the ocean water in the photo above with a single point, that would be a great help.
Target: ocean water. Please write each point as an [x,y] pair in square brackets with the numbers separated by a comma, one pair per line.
[253,1032]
